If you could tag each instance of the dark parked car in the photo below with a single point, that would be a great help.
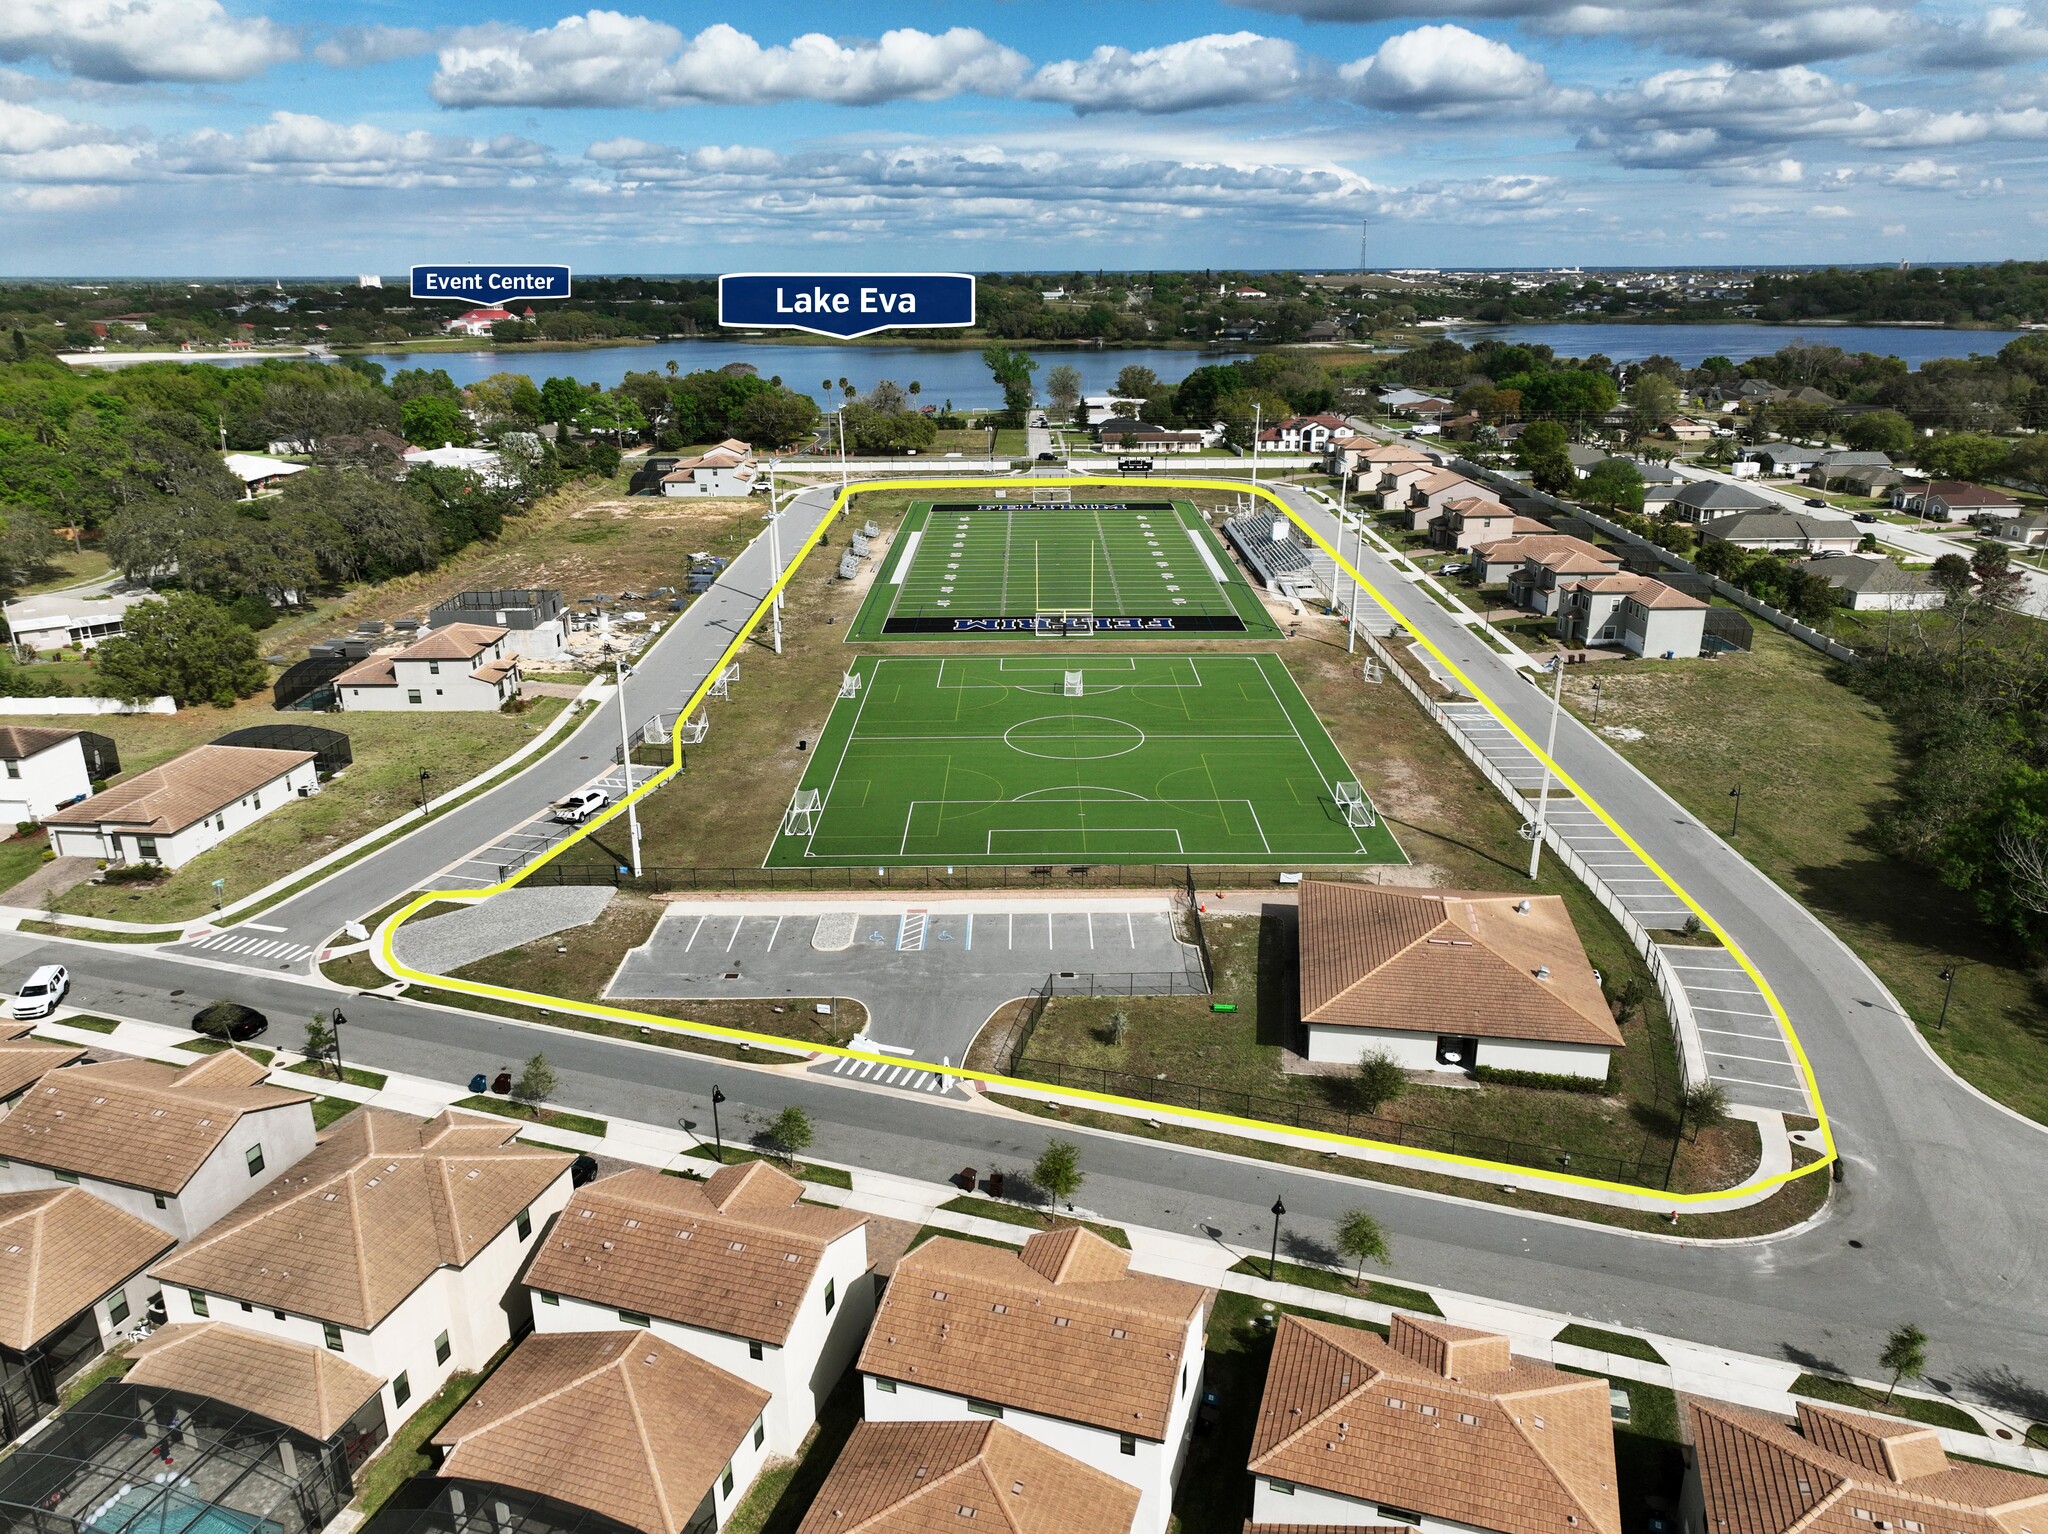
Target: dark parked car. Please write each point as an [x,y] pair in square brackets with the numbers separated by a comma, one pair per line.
[582,1170]
[1866,516]
[230,1020]
[1048,457]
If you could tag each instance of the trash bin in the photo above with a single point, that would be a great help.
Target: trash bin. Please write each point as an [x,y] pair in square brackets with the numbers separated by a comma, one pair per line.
[502,1085]
[478,1082]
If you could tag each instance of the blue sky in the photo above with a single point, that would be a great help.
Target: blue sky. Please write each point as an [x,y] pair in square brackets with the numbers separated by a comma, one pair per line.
[160,137]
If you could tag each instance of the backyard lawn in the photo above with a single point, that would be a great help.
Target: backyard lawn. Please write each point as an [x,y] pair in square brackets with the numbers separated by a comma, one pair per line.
[381,784]
[1816,763]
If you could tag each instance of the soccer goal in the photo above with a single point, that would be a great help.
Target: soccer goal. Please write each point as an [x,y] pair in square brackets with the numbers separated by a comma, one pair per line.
[849,685]
[694,730]
[805,807]
[1074,688]
[1052,495]
[1356,808]
[722,688]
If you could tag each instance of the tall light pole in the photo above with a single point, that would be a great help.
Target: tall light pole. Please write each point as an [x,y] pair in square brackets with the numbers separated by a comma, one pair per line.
[1273,1261]
[1735,793]
[626,764]
[1257,407]
[775,571]
[717,1136]
[1549,752]
[334,1022]
[842,447]
[1948,985]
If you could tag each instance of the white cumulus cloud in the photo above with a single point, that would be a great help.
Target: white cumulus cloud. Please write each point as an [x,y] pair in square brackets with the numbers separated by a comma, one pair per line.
[136,40]
[1443,69]
[1222,69]
[356,47]
[298,147]
[607,58]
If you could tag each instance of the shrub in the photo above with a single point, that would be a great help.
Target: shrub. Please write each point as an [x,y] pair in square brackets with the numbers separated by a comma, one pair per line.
[134,873]
[218,1019]
[27,827]
[1541,1081]
[1380,1080]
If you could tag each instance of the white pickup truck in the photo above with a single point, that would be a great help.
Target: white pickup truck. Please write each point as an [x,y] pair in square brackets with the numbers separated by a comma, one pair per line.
[579,807]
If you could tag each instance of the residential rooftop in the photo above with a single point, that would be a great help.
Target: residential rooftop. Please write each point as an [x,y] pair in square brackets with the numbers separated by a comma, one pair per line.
[368,1215]
[1440,1419]
[314,1390]
[183,791]
[137,1122]
[1062,1328]
[734,1254]
[61,1249]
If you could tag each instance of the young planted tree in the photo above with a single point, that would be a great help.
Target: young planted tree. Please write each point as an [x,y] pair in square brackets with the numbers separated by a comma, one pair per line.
[1706,1104]
[536,1084]
[1360,1236]
[1058,1171]
[1905,1354]
[1380,1080]
[791,1132]
[319,1043]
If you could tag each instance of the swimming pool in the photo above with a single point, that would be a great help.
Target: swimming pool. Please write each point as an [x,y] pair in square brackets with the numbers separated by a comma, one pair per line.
[157,1509]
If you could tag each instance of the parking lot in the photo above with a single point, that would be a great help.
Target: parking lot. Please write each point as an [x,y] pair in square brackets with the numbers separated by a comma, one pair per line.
[930,974]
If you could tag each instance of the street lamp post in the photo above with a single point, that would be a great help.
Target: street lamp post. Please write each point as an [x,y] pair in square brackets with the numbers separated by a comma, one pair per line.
[1549,753]
[717,1136]
[1273,1261]
[1735,827]
[626,760]
[334,1022]
[842,447]
[775,568]
[1948,985]
[424,775]
[1596,700]
[1257,406]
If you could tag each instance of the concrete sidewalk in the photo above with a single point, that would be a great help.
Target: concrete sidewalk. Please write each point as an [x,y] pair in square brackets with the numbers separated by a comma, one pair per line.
[1745,1379]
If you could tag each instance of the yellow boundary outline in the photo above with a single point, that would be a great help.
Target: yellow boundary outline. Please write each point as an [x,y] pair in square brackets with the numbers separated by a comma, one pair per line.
[1225,1121]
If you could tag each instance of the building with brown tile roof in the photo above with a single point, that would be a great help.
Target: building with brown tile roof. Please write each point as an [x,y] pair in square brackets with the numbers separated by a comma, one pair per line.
[459,666]
[1449,979]
[1842,1472]
[1436,1425]
[733,1269]
[926,1477]
[1638,613]
[178,1147]
[25,1060]
[46,768]
[620,1423]
[73,1272]
[1501,559]
[171,814]
[397,1243]
[1061,1341]
[304,1387]
[1326,1528]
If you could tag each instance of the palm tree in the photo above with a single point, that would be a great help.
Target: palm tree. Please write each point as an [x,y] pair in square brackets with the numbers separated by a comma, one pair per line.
[672,368]
[916,388]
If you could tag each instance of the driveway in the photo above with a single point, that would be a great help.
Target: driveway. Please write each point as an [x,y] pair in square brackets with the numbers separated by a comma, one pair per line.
[929,974]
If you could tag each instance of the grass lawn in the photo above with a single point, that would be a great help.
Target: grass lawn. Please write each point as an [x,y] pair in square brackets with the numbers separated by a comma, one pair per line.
[1817,765]
[806,1171]
[21,856]
[1821,1387]
[545,1117]
[405,1456]
[112,1366]
[374,1080]
[1329,1280]
[327,1109]
[214,1046]
[383,783]
[783,1493]
[68,567]
[1620,1344]
[90,1023]
[1215,1494]
[1020,1214]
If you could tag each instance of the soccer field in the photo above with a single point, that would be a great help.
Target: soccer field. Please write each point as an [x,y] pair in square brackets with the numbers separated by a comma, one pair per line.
[977,569]
[1076,757]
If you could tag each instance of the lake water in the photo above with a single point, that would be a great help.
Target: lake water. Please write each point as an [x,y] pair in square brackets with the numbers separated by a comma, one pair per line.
[955,373]
[1693,344]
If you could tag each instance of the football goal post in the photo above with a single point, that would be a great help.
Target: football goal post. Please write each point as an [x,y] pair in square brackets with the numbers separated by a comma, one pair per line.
[1073,688]
[1354,806]
[849,684]
[805,807]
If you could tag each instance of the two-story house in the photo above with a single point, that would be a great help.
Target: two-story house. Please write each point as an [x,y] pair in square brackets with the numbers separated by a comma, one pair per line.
[177,1147]
[40,769]
[726,470]
[1842,1472]
[735,1270]
[73,1273]
[25,1060]
[1638,613]
[1429,494]
[1368,459]
[1471,520]
[1060,1341]
[396,1243]
[1438,1429]
[462,666]
[913,1477]
[1303,433]
[1545,575]
[191,804]
[616,1423]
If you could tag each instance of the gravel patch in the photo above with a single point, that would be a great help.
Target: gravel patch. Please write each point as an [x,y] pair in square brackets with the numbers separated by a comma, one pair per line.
[444,943]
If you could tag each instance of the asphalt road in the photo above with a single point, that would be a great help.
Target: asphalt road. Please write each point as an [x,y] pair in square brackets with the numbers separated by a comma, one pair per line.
[1934,1173]
[1825,1296]
[663,679]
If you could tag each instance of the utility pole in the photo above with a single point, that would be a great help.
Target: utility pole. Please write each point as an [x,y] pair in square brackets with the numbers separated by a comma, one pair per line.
[1257,406]
[842,447]
[626,765]
[1549,752]
[775,572]
[1273,1262]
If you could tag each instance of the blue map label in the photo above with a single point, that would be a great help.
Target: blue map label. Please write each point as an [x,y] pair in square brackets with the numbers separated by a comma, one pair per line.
[490,284]
[845,305]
